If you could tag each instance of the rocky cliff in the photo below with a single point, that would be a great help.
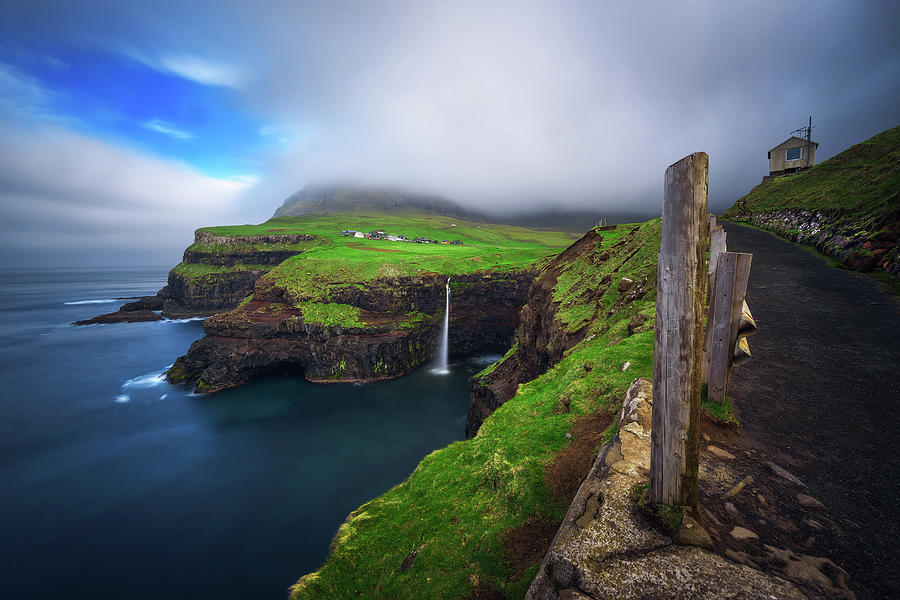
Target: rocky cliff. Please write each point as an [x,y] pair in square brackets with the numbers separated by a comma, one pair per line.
[567,297]
[218,271]
[377,329]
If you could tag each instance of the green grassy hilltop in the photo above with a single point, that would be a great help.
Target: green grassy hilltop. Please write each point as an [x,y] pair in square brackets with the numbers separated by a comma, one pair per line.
[334,259]
[862,182]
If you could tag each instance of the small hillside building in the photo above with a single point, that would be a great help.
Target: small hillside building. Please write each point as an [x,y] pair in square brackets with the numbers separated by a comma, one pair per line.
[792,156]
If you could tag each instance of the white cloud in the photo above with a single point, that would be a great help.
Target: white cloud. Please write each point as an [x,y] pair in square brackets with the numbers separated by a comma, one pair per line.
[61,189]
[201,70]
[188,66]
[167,128]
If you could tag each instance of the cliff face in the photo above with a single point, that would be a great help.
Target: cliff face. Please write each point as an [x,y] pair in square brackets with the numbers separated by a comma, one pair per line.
[382,329]
[564,300]
[217,272]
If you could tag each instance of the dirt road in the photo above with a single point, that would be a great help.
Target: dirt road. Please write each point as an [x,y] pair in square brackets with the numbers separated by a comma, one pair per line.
[822,392]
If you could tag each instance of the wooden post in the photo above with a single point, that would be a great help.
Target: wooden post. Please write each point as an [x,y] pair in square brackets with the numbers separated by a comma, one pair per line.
[681,280]
[733,273]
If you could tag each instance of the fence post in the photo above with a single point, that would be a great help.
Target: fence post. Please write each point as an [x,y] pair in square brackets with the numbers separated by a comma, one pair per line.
[726,308]
[677,354]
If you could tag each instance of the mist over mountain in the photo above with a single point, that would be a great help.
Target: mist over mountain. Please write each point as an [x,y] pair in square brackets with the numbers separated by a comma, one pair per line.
[354,198]
[360,198]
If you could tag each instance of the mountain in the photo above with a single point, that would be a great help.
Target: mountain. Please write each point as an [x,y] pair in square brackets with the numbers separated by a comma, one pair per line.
[340,198]
[334,198]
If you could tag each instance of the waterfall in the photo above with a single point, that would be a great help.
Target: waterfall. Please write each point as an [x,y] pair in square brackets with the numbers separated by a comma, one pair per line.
[442,368]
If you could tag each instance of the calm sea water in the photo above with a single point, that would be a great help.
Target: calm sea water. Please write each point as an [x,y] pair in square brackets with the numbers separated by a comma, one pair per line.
[116,484]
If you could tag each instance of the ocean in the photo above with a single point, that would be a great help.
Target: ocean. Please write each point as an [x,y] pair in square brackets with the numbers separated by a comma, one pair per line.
[116,484]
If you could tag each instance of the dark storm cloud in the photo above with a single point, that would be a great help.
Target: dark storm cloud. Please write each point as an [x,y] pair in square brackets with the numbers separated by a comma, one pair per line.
[512,105]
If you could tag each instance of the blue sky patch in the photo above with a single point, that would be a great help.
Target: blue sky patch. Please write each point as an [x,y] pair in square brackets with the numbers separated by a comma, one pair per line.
[125,101]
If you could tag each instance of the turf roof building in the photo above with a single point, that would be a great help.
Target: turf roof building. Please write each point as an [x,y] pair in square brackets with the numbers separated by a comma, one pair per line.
[793,155]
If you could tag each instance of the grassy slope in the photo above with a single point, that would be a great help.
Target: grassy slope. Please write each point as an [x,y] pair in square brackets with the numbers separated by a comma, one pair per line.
[332,260]
[862,182]
[461,499]
[347,261]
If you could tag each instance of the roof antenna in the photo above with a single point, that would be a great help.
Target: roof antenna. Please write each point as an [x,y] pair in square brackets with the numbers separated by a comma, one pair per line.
[807,133]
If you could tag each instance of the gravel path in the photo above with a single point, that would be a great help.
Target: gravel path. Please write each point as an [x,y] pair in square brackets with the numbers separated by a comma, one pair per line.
[822,391]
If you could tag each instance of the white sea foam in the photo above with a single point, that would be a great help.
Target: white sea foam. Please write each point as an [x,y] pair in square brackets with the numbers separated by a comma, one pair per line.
[99,301]
[122,398]
[146,381]
[163,397]
[188,320]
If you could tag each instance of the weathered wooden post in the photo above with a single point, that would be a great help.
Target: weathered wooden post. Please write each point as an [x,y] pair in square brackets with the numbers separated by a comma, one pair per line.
[726,310]
[681,292]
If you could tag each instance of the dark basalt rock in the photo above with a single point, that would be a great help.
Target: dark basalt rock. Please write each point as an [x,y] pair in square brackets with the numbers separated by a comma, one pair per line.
[269,335]
[194,296]
[133,312]
[122,316]
[229,259]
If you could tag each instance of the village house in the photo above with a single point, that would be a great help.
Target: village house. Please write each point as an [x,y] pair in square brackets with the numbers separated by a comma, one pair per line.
[793,155]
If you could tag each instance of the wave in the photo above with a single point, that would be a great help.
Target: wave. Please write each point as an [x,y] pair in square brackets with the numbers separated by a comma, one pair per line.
[98,301]
[188,320]
[122,398]
[148,380]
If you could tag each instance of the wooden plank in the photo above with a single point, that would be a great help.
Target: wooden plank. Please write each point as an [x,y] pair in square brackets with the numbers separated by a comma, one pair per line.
[720,327]
[681,280]
[727,302]
[716,247]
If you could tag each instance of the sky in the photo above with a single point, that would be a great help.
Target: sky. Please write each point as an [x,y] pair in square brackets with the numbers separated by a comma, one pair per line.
[124,126]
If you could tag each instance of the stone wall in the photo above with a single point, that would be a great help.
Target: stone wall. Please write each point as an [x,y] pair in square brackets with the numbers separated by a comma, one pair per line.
[860,248]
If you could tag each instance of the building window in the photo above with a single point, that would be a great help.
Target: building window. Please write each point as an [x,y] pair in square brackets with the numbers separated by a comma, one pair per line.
[793,153]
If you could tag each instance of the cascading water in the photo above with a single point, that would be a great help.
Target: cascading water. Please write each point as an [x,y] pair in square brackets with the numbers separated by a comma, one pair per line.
[442,368]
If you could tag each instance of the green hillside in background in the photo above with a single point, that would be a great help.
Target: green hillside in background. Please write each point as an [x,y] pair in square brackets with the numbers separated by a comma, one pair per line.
[334,257]
[847,207]
[862,183]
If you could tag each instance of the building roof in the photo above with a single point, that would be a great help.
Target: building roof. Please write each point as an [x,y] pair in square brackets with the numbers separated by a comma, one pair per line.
[793,137]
